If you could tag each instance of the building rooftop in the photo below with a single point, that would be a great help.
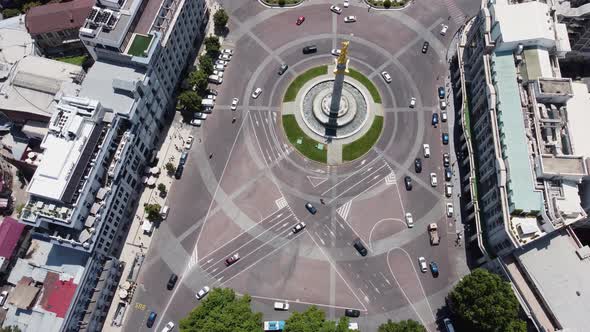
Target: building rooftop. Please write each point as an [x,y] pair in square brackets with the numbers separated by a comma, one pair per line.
[109,22]
[537,30]
[561,278]
[10,233]
[55,17]
[578,115]
[511,124]
[15,41]
[101,84]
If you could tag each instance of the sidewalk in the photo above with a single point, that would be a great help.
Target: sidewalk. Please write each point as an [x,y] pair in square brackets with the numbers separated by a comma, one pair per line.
[137,243]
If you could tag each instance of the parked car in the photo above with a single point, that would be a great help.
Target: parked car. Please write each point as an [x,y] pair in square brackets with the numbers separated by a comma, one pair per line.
[336,51]
[311,208]
[298,227]
[426,149]
[409,220]
[283,68]
[422,264]
[224,57]
[448,174]
[283,306]
[300,20]
[425,47]
[202,292]
[350,19]
[234,104]
[450,210]
[418,165]
[352,313]
[256,93]
[169,327]
[443,104]
[196,122]
[3,297]
[172,281]
[200,116]
[232,259]
[227,51]
[189,142]
[151,319]
[448,190]
[310,49]
[445,138]
[345,4]
[441,92]
[408,182]
[212,92]
[443,116]
[218,73]
[446,160]
[221,63]
[433,180]
[434,269]
[413,102]
[273,325]
[178,172]
[443,30]
[448,325]
[336,9]
[386,76]
[360,247]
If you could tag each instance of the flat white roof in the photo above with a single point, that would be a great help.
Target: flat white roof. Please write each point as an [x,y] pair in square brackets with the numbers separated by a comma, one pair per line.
[523,21]
[562,279]
[578,115]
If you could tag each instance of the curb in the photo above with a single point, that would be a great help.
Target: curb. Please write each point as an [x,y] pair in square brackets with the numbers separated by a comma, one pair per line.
[387,9]
[263,3]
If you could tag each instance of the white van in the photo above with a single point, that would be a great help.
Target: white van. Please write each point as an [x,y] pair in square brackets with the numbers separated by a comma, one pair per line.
[219,67]
[426,148]
[164,211]
[207,103]
[283,306]
[215,79]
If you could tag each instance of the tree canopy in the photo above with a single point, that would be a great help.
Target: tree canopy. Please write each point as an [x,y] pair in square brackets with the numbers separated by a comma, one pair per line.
[190,100]
[314,320]
[482,301]
[212,44]
[206,64]
[222,311]
[403,326]
[198,79]
[220,19]
[10,329]
[153,211]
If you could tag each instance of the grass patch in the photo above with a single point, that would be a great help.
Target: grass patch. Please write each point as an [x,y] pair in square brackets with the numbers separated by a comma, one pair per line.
[367,83]
[139,45]
[74,60]
[300,80]
[308,146]
[359,147]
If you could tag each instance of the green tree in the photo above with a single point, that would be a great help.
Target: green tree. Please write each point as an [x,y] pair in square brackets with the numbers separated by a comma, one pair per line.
[198,80]
[387,3]
[153,211]
[212,45]
[482,301]
[222,311]
[30,5]
[162,187]
[282,3]
[403,326]
[220,19]
[10,329]
[206,64]
[190,100]
[10,12]
[311,320]
[170,168]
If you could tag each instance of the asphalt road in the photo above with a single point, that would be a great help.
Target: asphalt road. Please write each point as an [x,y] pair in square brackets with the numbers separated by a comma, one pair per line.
[246,198]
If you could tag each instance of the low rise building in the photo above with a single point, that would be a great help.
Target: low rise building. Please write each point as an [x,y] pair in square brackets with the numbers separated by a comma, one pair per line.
[14,241]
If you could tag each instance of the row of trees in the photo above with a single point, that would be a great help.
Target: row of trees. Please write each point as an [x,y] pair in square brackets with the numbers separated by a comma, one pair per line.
[223,311]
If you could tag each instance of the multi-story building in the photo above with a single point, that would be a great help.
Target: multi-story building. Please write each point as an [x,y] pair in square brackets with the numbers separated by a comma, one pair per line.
[54,26]
[86,187]
[576,15]
[525,142]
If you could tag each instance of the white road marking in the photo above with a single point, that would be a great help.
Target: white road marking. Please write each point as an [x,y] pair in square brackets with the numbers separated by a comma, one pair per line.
[357,183]
[344,210]
[366,298]
[346,178]
[386,280]
[299,301]
[377,223]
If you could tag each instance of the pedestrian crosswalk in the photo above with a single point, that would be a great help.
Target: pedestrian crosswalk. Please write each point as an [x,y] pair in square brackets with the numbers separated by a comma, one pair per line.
[281,203]
[390,179]
[344,210]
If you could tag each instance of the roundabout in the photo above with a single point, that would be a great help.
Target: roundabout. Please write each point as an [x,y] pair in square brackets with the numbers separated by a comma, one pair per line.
[268,164]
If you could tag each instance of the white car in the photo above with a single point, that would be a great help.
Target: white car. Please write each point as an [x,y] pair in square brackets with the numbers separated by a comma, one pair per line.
[353,326]
[200,116]
[336,9]
[336,51]
[196,122]
[450,210]
[409,220]
[443,116]
[3,297]
[225,57]
[422,264]
[189,142]
[234,104]
[218,73]
[283,306]
[444,29]
[227,51]
[256,93]
[169,327]
[413,102]
[433,180]
[448,189]
[201,293]
[212,97]
[221,62]
[386,77]
[298,227]
[345,4]
[426,149]
[350,19]
[443,105]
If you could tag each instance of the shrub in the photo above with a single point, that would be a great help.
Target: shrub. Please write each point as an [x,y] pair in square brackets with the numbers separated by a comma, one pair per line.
[387,3]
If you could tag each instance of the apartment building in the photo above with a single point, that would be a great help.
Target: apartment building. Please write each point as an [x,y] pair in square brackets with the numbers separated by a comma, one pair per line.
[526,126]
[576,15]
[85,189]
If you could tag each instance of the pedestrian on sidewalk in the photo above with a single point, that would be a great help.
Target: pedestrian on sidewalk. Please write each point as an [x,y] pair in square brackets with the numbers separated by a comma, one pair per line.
[211,156]
[233,120]
[322,201]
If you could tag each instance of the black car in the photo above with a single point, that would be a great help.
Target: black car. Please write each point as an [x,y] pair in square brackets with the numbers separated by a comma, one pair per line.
[358,245]
[446,160]
[183,157]
[352,313]
[172,281]
[448,174]
[408,182]
[310,49]
[418,165]
[283,68]
[310,208]
[434,119]
[425,47]
[151,319]
[441,92]
[179,170]
[212,92]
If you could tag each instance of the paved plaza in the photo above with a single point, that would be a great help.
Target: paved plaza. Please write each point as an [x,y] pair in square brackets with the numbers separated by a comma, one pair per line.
[245,186]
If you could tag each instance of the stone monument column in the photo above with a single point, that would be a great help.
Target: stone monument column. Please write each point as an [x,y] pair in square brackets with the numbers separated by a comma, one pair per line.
[341,69]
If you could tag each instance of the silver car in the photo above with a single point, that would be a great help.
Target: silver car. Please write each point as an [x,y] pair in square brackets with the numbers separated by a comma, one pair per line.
[386,77]
[201,293]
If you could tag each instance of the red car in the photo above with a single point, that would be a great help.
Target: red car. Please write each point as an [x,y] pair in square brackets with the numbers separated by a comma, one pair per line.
[232,259]
[300,20]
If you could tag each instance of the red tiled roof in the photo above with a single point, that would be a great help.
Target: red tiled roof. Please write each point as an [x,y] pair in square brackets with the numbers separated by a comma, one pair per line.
[10,232]
[58,16]
[57,294]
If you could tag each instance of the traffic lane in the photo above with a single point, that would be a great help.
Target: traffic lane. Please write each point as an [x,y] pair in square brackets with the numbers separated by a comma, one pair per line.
[427,13]
[268,144]
[294,57]
[334,232]
[425,69]
[245,11]
[281,29]
[279,86]
[405,138]
[399,87]
[357,182]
